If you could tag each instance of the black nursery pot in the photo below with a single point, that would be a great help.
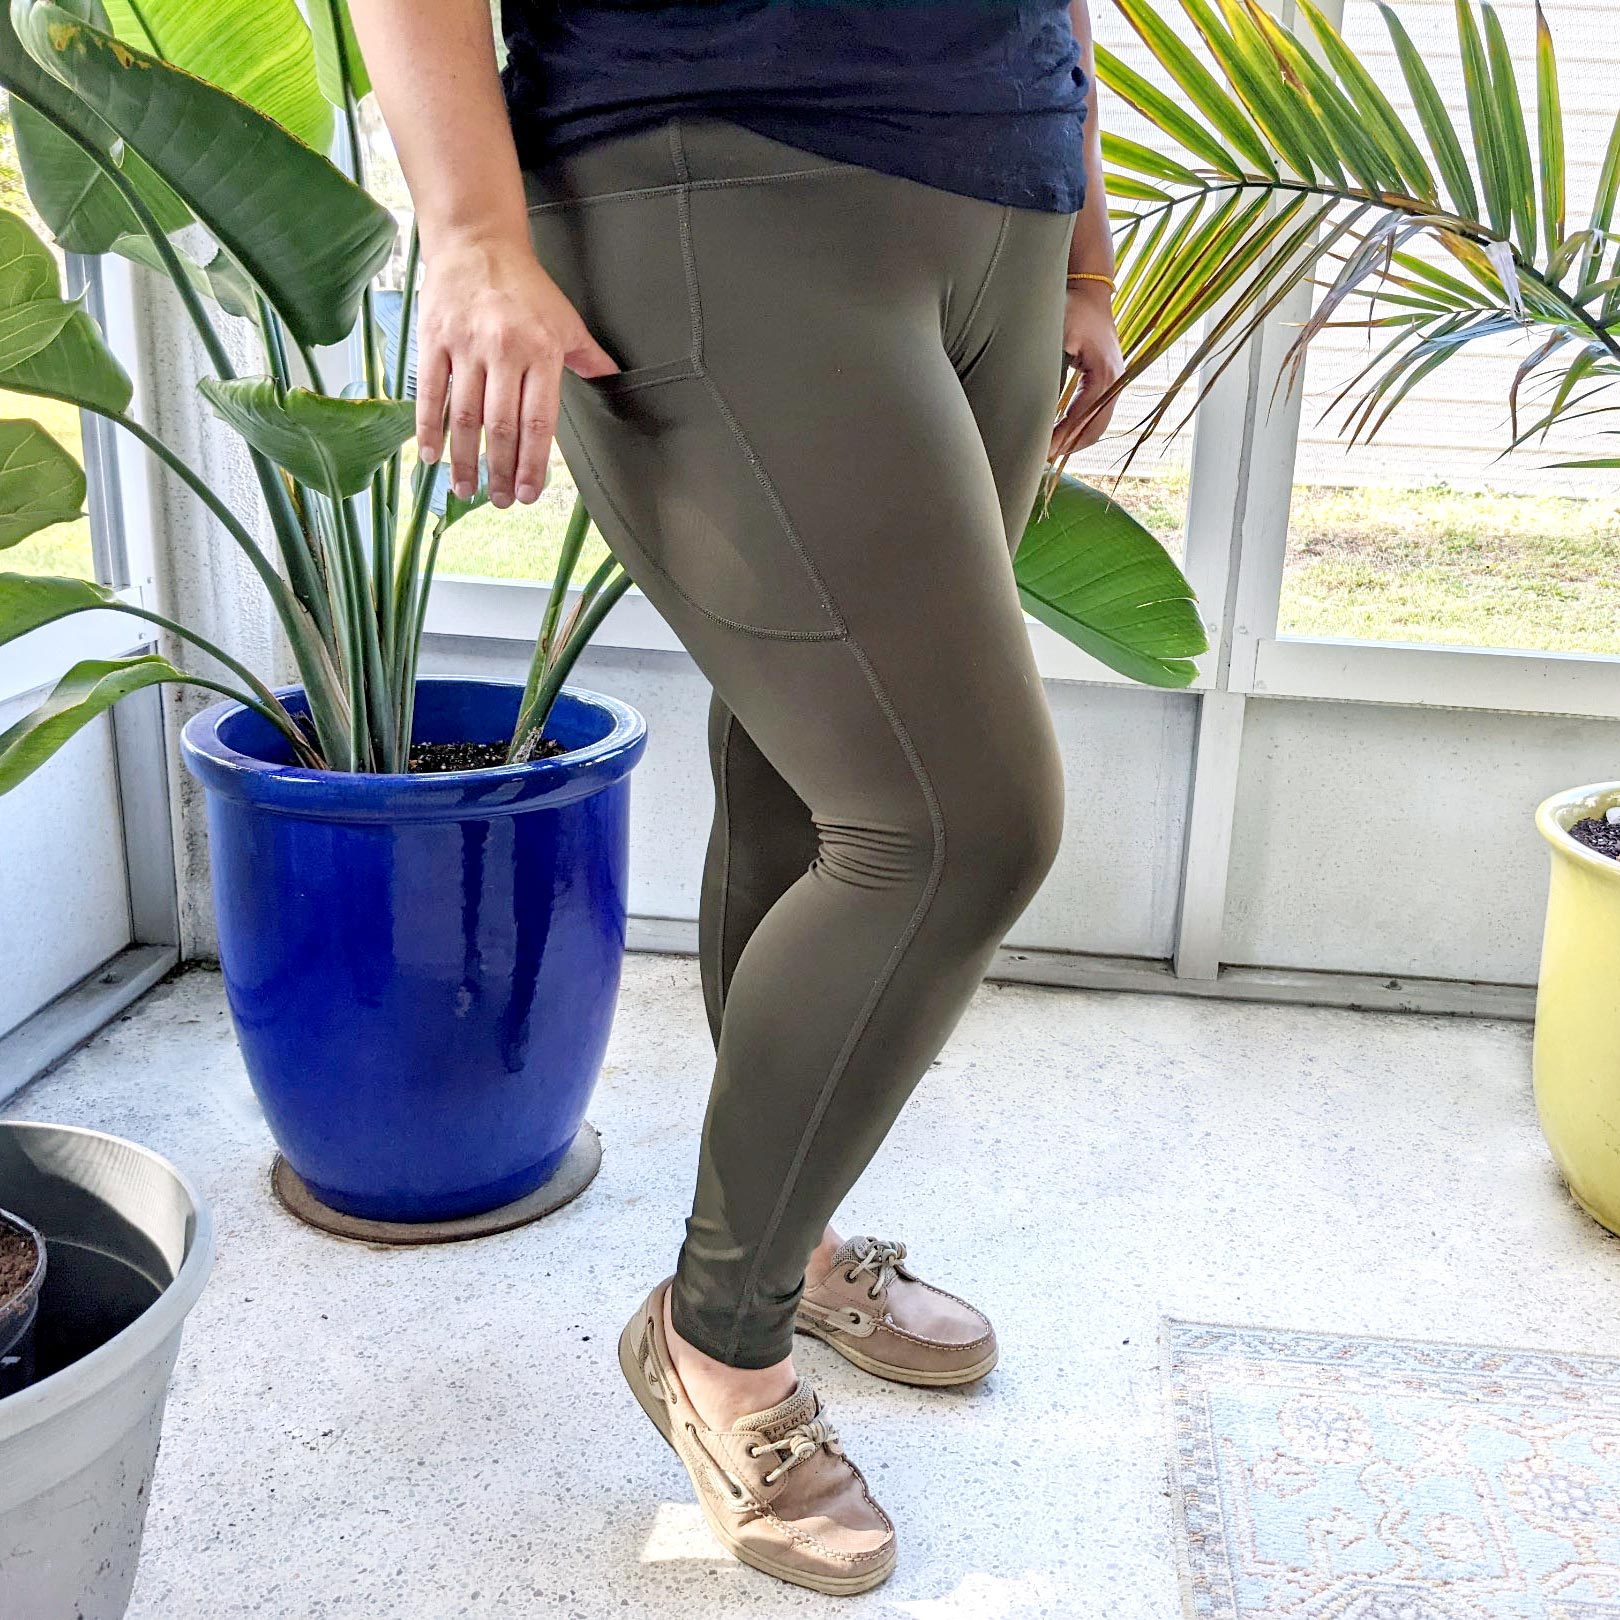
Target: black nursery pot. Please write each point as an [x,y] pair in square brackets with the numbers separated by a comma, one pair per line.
[19,1308]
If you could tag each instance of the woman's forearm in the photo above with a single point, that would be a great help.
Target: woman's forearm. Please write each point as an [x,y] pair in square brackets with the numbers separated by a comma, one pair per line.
[493,331]
[432,64]
[1093,247]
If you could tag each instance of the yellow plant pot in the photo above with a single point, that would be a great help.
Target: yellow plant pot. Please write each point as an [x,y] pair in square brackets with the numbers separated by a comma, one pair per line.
[1577,1049]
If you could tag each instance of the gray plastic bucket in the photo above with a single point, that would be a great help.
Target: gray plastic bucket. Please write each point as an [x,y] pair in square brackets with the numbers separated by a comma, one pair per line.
[130,1245]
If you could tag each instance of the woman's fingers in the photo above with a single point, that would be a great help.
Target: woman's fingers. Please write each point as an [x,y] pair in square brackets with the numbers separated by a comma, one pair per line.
[537,414]
[495,333]
[1090,410]
[1095,425]
[432,379]
[503,396]
[1087,421]
[590,359]
[466,421]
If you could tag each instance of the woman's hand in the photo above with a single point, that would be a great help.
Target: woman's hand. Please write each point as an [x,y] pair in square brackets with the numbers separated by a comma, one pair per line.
[1092,342]
[493,335]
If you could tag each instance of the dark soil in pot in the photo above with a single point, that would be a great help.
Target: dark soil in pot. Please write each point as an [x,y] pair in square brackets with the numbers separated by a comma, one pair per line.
[1603,836]
[21,1274]
[18,1258]
[428,759]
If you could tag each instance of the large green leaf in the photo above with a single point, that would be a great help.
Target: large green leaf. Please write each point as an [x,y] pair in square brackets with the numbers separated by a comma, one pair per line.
[76,365]
[87,690]
[334,445]
[28,601]
[32,309]
[1090,571]
[259,50]
[221,279]
[308,237]
[40,483]
[25,329]
[27,267]
[73,363]
[339,66]
[73,195]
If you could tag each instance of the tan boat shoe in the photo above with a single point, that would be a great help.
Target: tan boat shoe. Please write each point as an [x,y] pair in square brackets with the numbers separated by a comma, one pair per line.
[776,1489]
[873,1310]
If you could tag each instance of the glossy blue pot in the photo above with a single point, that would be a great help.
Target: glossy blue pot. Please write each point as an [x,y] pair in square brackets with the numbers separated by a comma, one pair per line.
[422,969]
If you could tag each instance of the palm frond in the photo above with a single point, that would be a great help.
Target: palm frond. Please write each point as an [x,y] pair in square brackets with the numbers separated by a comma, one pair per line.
[1286,165]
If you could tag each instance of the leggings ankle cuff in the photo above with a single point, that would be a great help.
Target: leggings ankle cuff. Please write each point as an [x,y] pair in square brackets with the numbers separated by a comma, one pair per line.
[715,1334]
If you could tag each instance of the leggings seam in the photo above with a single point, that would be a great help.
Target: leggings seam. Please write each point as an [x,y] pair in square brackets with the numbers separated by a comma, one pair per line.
[840,630]
[721,977]
[640,193]
[683,211]
[880,984]
[984,285]
[652,563]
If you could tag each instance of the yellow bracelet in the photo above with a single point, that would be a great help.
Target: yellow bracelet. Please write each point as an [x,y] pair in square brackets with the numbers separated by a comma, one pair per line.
[1092,275]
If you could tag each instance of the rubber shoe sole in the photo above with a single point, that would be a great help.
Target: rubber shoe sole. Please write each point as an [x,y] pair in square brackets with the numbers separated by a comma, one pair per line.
[899,1375]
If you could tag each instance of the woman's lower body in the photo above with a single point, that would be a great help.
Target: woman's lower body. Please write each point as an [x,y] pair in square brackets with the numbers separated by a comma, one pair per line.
[827,435]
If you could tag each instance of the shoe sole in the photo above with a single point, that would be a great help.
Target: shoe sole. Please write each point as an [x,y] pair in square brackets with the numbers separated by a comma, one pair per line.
[900,1375]
[658,1413]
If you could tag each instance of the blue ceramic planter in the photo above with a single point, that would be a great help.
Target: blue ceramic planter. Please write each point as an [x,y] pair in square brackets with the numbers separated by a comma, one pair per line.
[422,969]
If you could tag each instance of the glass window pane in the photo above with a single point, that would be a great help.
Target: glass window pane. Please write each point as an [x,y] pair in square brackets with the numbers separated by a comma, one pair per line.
[1431,533]
[65,547]
[522,541]
[1154,488]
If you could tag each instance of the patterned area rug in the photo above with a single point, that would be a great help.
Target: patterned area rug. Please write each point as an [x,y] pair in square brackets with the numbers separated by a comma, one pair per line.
[1320,1477]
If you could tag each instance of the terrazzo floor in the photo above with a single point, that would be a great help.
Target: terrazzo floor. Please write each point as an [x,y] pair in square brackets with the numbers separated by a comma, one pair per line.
[421,1435]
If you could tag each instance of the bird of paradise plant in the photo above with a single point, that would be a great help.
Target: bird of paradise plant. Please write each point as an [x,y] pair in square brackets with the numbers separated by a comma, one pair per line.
[133,122]
[1291,167]
[136,120]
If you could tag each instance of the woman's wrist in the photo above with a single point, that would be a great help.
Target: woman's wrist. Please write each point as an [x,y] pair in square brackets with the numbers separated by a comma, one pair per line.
[1092,287]
[474,244]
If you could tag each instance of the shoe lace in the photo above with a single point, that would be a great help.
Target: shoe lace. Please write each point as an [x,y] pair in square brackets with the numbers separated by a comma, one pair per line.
[798,1445]
[881,1258]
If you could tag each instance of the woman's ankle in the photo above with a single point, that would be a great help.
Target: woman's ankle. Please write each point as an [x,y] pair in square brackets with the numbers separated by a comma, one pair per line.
[724,1394]
[820,1264]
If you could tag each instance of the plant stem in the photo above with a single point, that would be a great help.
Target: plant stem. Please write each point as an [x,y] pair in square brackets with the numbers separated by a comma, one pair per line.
[526,734]
[408,582]
[268,704]
[412,646]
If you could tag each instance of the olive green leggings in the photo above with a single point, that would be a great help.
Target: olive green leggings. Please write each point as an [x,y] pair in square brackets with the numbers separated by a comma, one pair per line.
[836,397]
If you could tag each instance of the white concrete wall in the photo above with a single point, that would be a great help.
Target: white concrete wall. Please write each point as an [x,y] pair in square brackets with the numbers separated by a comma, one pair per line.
[1372,839]
[1368,838]
[64,898]
[199,577]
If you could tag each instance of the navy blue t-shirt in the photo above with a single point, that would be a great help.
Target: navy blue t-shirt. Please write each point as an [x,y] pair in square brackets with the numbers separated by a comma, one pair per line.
[982,97]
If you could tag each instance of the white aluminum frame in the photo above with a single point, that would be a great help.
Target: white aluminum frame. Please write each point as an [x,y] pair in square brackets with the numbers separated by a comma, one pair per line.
[1238,504]
[121,509]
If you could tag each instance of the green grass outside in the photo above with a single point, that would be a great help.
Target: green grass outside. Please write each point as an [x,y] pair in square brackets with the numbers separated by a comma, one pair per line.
[64,549]
[1439,565]
[1459,568]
